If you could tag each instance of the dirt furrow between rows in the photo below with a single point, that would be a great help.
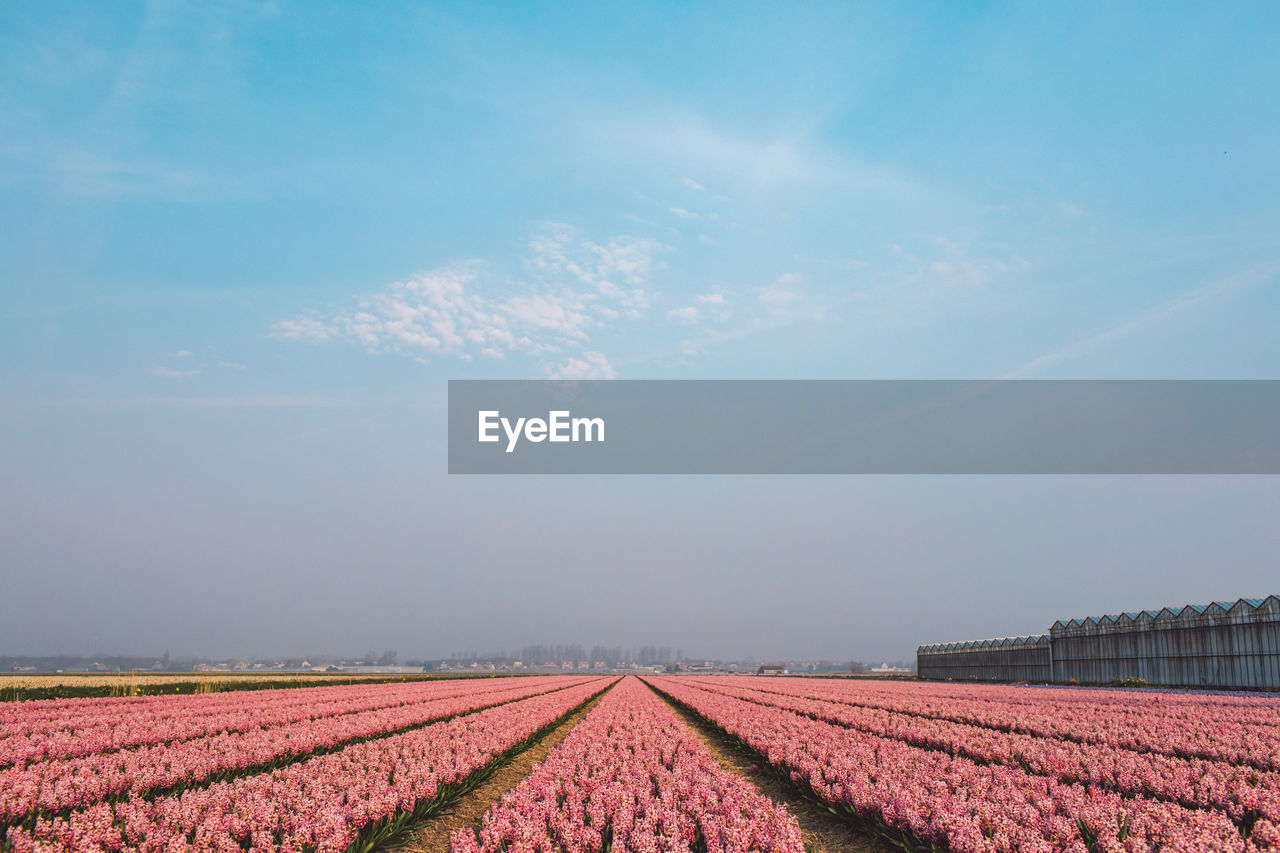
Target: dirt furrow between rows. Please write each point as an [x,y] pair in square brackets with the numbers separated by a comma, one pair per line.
[433,836]
[823,831]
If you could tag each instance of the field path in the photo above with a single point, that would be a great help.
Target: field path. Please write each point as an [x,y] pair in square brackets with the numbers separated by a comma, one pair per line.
[823,831]
[434,834]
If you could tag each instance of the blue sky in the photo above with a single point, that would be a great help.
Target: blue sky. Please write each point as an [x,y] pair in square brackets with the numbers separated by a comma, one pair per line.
[245,245]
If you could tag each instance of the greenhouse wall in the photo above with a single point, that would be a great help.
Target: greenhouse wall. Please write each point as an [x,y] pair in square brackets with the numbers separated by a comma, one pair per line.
[1223,644]
[1214,645]
[1006,659]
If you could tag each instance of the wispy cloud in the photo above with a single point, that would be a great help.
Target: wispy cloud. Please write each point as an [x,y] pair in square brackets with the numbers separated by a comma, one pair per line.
[1150,318]
[588,365]
[572,286]
[925,278]
[950,264]
[617,270]
[1068,208]
[717,319]
[309,329]
[783,158]
[170,373]
[181,57]
[782,295]
[684,214]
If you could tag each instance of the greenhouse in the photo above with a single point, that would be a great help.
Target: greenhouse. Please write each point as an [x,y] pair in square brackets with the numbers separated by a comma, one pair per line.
[1221,644]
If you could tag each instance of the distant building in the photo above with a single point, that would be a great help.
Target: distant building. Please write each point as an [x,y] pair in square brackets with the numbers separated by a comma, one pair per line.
[1222,644]
[884,669]
[771,669]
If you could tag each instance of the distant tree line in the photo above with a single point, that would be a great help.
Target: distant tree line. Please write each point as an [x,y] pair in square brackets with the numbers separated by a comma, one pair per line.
[553,654]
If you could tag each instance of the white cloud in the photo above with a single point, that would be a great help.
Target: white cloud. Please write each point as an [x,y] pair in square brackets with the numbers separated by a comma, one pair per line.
[691,349]
[624,260]
[694,185]
[445,313]
[169,373]
[555,313]
[781,293]
[790,299]
[573,287]
[963,273]
[684,214]
[182,353]
[948,269]
[592,365]
[788,158]
[231,365]
[306,329]
[688,314]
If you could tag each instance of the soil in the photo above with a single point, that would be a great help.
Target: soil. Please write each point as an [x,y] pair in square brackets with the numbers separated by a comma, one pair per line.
[433,836]
[823,831]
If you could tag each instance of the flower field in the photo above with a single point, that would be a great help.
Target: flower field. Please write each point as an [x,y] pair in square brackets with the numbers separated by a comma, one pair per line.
[326,803]
[895,757]
[259,737]
[33,731]
[924,766]
[632,776]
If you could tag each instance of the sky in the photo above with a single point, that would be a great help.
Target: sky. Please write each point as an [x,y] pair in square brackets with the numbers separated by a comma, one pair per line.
[243,247]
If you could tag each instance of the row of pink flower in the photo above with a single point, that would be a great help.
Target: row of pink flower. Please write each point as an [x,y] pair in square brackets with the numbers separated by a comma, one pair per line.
[1253,711]
[51,786]
[39,709]
[71,734]
[52,714]
[1261,709]
[1237,790]
[1135,723]
[952,801]
[1256,707]
[323,804]
[632,777]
